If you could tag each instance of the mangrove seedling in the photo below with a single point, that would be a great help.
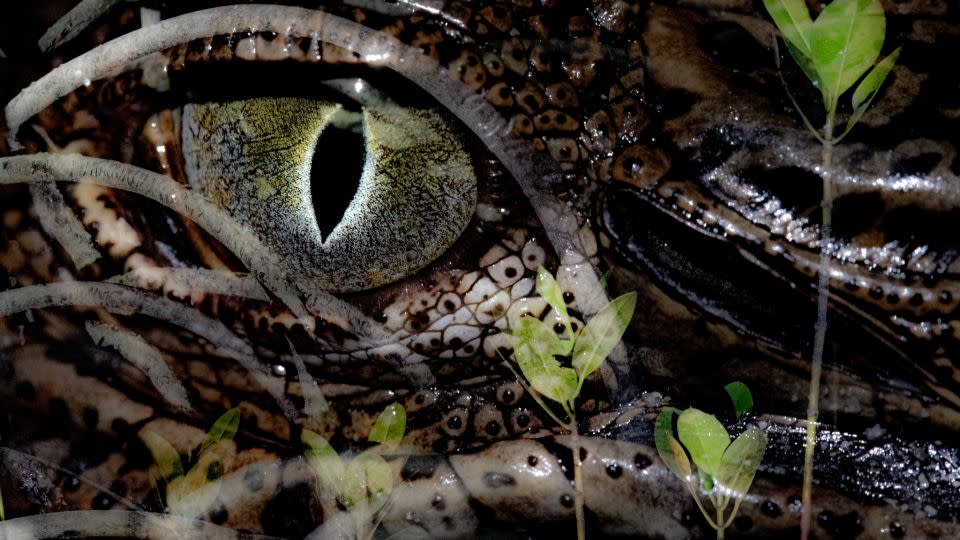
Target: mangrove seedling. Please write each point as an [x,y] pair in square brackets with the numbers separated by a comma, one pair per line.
[361,485]
[538,348]
[835,52]
[191,492]
[724,469]
[838,49]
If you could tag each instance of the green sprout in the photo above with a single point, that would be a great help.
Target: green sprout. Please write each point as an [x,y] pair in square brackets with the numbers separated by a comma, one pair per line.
[363,484]
[537,348]
[725,469]
[838,49]
[3,515]
[192,492]
[835,52]
[740,396]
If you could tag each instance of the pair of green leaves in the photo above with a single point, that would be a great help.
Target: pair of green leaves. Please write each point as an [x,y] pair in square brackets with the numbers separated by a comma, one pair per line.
[362,484]
[837,49]
[724,468]
[719,461]
[192,492]
[537,345]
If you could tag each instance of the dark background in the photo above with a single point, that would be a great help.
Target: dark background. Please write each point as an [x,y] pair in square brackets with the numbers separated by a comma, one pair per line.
[22,62]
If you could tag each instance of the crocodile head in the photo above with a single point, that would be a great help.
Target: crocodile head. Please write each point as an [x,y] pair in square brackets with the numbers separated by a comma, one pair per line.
[308,213]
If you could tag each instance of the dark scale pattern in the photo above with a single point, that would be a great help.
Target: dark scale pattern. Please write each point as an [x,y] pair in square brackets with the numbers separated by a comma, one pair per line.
[220,515]
[840,526]
[91,417]
[291,513]
[771,509]
[417,467]
[103,501]
[743,523]
[253,480]
[641,462]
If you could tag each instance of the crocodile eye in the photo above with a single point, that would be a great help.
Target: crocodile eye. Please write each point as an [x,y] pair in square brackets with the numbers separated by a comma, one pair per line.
[312,153]
[350,196]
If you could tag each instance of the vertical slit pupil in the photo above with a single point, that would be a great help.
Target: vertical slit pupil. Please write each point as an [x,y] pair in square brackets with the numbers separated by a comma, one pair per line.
[335,174]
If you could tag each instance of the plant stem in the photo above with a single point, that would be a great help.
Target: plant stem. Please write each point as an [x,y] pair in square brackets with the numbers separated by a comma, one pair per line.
[819,340]
[577,475]
[718,506]
[736,507]
[720,528]
[696,499]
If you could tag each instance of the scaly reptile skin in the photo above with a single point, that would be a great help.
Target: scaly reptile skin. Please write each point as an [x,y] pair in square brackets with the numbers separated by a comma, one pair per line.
[659,147]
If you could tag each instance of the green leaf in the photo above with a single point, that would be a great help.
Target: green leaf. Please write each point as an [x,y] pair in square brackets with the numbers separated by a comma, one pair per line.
[350,486]
[793,19]
[314,404]
[604,278]
[224,429]
[704,437]
[390,426]
[874,80]
[867,89]
[536,346]
[845,41]
[706,481]
[669,448]
[741,397]
[324,459]
[602,334]
[680,458]
[363,484]
[3,515]
[164,455]
[316,447]
[548,288]
[806,64]
[558,383]
[195,492]
[532,332]
[741,460]
[377,479]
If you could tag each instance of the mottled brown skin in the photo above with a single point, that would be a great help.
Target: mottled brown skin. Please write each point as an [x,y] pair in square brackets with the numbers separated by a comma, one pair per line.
[635,103]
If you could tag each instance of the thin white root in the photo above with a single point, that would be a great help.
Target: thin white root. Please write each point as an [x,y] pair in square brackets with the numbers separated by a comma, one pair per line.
[194,280]
[61,224]
[314,402]
[145,357]
[192,205]
[75,21]
[38,168]
[126,301]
